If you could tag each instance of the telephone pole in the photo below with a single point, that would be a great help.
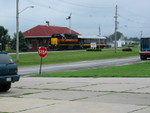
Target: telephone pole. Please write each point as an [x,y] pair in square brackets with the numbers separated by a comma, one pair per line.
[141,34]
[17,31]
[99,35]
[116,26]
[17,28]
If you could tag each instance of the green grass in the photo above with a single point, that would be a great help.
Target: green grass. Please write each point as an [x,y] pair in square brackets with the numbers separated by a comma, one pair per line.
[133,70]
[71,56]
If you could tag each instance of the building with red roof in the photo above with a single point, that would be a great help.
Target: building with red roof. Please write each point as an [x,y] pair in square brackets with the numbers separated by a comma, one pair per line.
[41,34]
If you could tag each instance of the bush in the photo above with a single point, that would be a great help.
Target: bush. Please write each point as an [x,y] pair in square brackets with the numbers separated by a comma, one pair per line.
[93,49]
[126,49]
[10,51]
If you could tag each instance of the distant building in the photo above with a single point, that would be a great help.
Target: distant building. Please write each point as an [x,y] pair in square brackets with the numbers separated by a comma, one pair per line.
[41,34]
[121,41]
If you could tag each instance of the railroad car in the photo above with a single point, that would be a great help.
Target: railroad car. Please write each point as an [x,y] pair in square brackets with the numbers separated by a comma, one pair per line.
[86,41]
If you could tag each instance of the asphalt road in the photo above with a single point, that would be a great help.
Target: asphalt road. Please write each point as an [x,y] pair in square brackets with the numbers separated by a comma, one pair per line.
[31,70]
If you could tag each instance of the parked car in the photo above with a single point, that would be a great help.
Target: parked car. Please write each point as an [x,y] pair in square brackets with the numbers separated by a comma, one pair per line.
[8,72]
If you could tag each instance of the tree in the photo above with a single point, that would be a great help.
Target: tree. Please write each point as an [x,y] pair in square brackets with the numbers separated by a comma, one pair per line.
[22,44]
[4,37]
[112,37]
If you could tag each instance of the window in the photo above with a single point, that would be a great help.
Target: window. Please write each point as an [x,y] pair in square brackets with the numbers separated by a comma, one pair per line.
[5,59]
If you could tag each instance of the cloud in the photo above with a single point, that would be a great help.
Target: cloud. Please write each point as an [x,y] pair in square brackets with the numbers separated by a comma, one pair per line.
[87,15]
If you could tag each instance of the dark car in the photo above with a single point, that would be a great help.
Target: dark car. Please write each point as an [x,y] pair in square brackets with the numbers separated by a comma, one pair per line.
[8,72]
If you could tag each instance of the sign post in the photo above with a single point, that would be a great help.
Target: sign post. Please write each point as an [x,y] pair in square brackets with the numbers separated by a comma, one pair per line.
[42,52]
[93,45]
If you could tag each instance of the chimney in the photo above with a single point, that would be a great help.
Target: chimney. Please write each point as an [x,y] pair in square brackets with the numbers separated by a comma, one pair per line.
[47,22]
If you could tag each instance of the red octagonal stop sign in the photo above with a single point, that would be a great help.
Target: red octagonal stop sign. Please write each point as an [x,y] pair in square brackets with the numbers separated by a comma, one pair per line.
[42,51]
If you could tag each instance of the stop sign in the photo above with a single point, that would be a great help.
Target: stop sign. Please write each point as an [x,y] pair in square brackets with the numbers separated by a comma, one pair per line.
[42,51]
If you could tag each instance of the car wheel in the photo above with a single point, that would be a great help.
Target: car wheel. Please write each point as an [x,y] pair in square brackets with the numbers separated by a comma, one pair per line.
[143,57]
[5,86]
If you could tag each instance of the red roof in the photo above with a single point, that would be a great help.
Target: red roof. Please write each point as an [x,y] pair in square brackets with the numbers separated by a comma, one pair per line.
[47,31]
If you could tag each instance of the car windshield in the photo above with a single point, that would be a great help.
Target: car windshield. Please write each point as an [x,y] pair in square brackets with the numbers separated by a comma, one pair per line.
[5,59]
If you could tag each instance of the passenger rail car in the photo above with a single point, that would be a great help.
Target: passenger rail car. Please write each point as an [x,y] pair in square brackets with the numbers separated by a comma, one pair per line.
[85,41]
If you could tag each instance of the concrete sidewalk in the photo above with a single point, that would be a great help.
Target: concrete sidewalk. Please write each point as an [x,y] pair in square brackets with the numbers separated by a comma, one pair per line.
[77,95]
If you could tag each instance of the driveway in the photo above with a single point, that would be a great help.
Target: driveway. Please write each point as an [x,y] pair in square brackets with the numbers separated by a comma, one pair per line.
[77,65]
[77,95]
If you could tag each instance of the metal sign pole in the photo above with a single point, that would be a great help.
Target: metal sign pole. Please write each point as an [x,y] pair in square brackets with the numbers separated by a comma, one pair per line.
[41,65]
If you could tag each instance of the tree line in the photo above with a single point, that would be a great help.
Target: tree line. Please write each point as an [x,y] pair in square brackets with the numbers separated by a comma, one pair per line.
[7,42]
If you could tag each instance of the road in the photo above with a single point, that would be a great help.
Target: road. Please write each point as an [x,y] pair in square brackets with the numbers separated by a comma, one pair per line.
[31,70]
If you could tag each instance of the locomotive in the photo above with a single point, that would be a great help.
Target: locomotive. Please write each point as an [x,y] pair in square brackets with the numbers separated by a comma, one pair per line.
[64,41]
[72,41]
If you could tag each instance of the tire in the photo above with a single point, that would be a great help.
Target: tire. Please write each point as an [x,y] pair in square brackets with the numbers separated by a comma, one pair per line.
[5,86]
[143,57]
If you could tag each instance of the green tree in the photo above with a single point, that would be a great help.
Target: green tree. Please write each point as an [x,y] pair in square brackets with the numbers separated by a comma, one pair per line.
[4,37]
[22,43]
[112,36]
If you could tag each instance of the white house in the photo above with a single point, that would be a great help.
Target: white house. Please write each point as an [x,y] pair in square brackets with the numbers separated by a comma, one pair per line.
[121,41]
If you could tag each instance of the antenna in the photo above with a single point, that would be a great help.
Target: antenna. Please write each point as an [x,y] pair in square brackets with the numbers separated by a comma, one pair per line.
[99,30]
[69,18]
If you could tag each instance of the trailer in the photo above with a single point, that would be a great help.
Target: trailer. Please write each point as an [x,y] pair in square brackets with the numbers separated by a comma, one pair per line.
[144,48]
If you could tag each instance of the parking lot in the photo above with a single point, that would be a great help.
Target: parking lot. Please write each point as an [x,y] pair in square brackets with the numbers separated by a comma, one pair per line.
[77,95]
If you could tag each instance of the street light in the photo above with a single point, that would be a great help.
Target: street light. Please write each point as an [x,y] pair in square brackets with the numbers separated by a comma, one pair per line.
[17,28]
[26,8]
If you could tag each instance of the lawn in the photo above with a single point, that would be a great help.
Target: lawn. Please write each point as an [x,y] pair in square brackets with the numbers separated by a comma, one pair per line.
[72,56]
[133,70]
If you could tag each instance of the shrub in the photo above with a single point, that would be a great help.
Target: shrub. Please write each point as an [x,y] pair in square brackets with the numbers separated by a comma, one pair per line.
[126,49]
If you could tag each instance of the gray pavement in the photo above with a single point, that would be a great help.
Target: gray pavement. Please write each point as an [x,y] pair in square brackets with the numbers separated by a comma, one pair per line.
[77,95]
[30,70]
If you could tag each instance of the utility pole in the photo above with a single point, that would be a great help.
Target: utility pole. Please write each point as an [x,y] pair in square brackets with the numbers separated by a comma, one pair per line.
[17,31]
[99,35]
[17,28]
[141,34]
[116,26]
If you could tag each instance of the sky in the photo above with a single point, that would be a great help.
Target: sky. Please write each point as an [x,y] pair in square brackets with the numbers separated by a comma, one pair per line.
[87,15]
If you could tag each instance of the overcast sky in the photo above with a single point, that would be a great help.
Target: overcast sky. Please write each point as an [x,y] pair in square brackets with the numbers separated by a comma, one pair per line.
[87,15]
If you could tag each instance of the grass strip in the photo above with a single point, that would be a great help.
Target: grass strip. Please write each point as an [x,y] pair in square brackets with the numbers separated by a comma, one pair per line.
[132,70]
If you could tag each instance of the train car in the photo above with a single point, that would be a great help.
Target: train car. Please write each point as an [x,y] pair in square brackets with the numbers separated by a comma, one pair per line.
[63,42]
[86,41]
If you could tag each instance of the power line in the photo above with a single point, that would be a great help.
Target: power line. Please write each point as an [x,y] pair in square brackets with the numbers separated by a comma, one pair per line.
[83,4]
